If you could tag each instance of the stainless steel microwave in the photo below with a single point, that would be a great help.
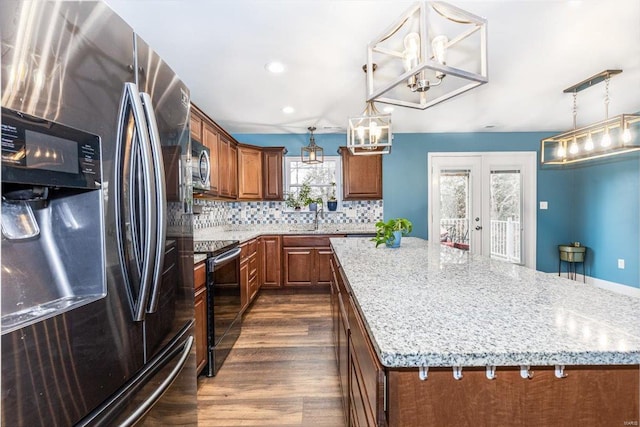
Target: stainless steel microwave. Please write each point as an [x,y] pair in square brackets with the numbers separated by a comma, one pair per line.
[200,166]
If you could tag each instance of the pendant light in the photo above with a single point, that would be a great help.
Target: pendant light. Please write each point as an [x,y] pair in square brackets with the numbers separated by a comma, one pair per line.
[612,136]
[370,133]
[312,153]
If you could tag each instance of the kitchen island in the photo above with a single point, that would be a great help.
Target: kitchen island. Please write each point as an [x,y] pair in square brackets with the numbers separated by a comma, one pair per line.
[462,339]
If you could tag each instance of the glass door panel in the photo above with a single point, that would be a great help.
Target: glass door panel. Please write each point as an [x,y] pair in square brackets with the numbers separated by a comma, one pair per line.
[455,207]
[505,215]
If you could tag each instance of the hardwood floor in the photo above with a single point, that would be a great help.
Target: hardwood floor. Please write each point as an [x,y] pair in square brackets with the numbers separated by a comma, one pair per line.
[281,371]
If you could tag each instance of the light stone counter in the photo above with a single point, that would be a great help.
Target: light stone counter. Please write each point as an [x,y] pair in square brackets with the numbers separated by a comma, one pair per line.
[245,233]
[430,305]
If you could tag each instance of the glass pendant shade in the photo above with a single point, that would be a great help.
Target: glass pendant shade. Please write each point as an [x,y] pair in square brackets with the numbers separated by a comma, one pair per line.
[312,153]
[370,133]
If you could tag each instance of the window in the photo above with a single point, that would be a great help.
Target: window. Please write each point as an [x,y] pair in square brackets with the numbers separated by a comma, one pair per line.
[320,176]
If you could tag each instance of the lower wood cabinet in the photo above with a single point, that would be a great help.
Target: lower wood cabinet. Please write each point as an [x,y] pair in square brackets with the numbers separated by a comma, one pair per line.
[248,272]
[306,260]
[362,377]
[270,261]
[340,333]
[200,301]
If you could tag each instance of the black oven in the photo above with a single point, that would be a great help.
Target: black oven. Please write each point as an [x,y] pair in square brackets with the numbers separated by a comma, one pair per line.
[223,297]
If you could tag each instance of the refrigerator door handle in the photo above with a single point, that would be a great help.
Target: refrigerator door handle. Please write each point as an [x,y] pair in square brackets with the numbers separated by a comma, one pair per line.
[166,383]
[142,226]
[160,202]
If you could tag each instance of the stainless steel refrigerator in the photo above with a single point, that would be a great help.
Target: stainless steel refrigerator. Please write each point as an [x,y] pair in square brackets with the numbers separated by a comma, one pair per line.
[97,240]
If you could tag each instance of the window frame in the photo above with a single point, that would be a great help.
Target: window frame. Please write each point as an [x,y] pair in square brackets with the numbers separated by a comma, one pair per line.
[338,175]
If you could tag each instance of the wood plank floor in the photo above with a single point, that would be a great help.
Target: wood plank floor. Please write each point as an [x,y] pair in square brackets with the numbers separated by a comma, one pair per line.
[281,371]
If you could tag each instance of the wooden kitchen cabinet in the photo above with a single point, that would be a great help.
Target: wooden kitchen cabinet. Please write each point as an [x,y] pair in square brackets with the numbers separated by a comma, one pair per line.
[340,333]
[305,260]
[223,155]
[362,376]
[366,375]
[272,186]
[200,302]
[248,273]
[361,176]
[224,182]
[195,124]
[232,177]
[249,172]
[270,261]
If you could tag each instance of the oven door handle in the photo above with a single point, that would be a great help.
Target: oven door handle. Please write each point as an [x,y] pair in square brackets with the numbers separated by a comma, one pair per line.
[225,257]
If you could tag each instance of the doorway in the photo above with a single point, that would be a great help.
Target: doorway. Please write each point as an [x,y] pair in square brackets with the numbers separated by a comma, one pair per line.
[485,203]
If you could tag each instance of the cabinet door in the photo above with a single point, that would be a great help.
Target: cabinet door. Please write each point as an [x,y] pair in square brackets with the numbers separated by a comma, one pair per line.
[362,176]
[233,171]
[298,266]
[249,173]
[223,167]
[272,187]
[195,124]
[343,352]
[200,303]
[253,275]
[323,266]
[271,262]
[244,284]
[211,140]
[200,306]
[367,374]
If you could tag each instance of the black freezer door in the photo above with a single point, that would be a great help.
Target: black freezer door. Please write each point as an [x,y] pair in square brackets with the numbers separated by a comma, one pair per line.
[71,66]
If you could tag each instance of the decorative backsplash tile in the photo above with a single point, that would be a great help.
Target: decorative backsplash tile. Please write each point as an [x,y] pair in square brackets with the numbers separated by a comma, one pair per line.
[231,214]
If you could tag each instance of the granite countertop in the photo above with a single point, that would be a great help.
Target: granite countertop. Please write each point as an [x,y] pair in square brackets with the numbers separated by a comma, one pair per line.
[425,304]
[244,233]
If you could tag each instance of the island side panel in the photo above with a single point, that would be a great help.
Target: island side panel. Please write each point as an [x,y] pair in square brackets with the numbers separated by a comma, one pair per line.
[587,396]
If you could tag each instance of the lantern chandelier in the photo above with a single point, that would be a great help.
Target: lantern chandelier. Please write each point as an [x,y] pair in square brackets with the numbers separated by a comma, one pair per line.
[369,133]
[312,153]
[433,52]
[609,137]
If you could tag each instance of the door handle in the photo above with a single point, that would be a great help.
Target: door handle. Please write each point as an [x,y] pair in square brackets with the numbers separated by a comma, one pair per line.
[478,227]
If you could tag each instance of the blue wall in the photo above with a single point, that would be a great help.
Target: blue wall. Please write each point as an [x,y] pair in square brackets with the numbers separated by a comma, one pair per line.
[606,217]
[608,193]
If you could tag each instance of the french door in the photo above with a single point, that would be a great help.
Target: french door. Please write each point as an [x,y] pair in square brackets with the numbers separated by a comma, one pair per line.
[485,203]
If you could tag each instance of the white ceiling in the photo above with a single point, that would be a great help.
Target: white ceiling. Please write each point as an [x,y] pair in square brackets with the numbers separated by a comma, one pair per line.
[536,49]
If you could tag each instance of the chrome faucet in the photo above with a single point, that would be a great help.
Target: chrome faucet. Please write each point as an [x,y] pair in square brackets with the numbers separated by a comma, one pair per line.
[319,211]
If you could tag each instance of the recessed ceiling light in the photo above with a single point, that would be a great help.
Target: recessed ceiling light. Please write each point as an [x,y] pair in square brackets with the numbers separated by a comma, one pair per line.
[288,110]
[274,67]
[388,109]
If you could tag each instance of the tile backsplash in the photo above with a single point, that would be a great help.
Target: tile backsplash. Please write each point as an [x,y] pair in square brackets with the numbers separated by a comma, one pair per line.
[215,213]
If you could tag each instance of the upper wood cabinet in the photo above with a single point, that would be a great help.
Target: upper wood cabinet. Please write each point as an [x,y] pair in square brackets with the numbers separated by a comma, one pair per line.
[223,155]
[361,176]
[249,173]
[196,125]
[272,187]
[227,168]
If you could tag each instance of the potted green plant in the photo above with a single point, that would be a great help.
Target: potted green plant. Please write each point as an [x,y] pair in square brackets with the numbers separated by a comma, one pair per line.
[300,198]
[332,202]
[390,233]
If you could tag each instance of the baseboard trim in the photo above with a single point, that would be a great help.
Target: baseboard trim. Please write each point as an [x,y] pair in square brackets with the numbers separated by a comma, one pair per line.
[611,286]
